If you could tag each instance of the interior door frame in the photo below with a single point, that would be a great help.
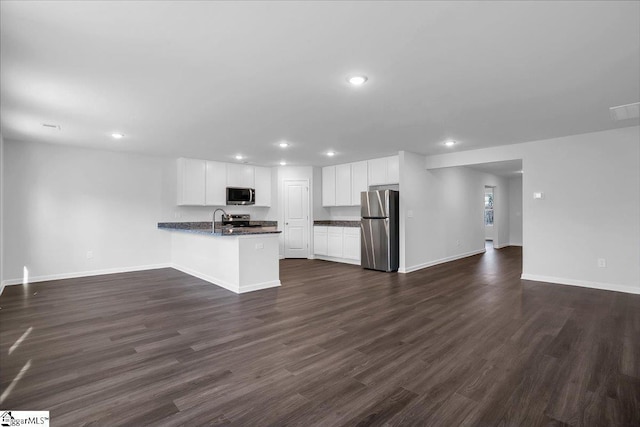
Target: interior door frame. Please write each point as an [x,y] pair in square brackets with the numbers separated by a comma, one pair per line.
[495,242]
[309,215]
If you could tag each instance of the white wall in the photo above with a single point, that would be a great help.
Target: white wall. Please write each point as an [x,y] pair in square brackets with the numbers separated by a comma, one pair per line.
[61,202]
[591,207]
[515,211]
[343,213]
[442,212]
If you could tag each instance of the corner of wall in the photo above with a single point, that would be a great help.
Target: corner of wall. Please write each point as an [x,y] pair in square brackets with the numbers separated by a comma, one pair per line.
[1,214]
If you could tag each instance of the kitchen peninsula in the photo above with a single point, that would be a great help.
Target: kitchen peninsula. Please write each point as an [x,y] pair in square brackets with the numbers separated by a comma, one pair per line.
[240,260]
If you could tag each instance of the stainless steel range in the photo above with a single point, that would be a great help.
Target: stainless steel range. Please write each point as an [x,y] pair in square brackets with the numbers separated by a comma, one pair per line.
[237,221]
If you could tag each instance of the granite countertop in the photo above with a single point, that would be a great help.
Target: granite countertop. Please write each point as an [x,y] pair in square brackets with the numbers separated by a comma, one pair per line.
[204,227]
[330,223]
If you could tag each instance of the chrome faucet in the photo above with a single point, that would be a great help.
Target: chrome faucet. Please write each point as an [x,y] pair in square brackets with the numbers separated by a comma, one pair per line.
[213,222]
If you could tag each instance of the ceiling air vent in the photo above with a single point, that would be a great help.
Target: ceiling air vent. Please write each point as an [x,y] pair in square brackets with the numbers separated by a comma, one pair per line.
[624,112]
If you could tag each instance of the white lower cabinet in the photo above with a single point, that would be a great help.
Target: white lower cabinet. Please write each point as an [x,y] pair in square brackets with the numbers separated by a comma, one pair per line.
[320,240]
[334,242]
[351,243]
[340,244]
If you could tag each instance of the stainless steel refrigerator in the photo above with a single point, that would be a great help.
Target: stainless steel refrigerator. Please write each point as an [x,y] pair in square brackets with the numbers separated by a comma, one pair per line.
[379,230]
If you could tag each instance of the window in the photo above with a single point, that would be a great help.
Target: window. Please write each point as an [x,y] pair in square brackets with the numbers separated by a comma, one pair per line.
[488,207]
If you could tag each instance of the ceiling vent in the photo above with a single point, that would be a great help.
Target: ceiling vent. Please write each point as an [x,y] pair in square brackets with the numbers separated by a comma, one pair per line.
[51,126]
[624,112]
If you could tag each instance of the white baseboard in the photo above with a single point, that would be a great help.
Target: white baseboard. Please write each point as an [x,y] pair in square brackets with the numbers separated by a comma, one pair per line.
[440,261]
[335,259]
[227,285]
[582,283]
[74,275]
[214,280]
[259,286]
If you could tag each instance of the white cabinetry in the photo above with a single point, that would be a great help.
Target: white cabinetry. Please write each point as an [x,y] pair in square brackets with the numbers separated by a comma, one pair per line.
[351,243]
[204,182]
[334,242]
[263,186]
[384,171]
[393,169]
[191,182]
[239,175]
[340,244]
[343,185]
[320,240]
[215,184]
[329,186]
[358,181]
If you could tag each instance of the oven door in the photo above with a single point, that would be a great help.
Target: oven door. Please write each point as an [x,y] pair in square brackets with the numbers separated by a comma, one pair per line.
[240,196]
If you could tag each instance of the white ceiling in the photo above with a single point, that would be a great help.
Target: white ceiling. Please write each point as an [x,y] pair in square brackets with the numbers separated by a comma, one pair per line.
[213,79]
[507,168]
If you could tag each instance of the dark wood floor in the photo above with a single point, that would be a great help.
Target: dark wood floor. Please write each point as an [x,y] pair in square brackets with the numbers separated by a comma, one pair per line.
[465,343]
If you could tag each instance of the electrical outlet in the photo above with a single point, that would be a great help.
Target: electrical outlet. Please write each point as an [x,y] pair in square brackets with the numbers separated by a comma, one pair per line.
[457,242]
[602,263]
[259,246]
[89,254]
[177,215]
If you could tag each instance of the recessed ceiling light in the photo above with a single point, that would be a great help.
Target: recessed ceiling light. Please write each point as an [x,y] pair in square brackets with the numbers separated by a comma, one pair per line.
[284,144]
[331,153]
[357,80]
[283,163]
[450,143]
[239,157]
[117,135]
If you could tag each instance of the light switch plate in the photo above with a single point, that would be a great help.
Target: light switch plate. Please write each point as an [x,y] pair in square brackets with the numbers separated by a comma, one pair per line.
[538,195]
[409,214]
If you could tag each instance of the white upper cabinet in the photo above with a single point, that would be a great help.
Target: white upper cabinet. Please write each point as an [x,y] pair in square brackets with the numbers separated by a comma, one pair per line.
[343,185]
[205,182]
[215,183]
[358,181]
[263,186]
[191,182]
[329,186]
[393,170]
[377,171]
[384,171]
[239,175]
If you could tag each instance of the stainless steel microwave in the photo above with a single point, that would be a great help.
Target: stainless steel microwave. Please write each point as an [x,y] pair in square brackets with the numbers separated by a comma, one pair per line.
[241,196]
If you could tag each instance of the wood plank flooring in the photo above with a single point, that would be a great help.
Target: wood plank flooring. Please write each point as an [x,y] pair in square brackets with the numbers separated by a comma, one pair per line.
[464,343]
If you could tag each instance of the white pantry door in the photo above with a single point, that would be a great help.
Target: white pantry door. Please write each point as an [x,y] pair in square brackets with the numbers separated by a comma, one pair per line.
[296,219]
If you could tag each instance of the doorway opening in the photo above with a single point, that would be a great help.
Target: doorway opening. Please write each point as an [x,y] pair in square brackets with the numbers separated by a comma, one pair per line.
[490,229]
